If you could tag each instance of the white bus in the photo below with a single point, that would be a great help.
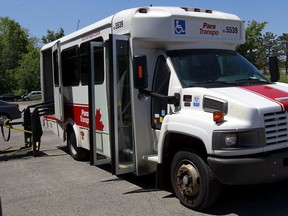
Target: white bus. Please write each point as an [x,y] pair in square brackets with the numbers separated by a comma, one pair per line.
[161,89]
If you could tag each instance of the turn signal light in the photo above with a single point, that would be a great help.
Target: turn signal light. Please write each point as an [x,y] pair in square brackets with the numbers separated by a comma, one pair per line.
[218,116]
[140,72]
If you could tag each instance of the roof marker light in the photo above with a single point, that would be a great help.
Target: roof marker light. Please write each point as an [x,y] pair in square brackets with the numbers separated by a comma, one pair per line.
[142,10]
[185,8]
[197,10]
[208,11]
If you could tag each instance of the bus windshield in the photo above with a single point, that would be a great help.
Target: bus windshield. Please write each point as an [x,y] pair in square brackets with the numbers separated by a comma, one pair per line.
[214,68]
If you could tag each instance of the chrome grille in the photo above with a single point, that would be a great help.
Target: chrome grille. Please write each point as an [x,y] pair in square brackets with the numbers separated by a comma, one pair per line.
[276,128]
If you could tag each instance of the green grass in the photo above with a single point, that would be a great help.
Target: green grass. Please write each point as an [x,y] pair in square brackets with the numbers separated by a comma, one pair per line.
[283,77]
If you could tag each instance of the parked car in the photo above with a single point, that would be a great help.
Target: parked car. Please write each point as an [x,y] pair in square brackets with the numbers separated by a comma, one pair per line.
[10,97]
[9,110]
[34,95]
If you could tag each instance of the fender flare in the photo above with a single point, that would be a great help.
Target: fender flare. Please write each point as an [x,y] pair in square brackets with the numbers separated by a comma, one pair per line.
[190,132]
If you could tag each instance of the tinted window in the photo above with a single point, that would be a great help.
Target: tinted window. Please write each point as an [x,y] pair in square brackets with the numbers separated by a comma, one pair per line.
[214,68]
[70,66]
[160,86]
[86,63]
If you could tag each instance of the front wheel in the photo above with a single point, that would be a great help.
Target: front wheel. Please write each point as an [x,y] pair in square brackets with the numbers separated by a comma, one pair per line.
[193,181]
[76,152]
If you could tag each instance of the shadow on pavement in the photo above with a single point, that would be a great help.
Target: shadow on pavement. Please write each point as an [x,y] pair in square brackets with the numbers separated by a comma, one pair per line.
[16,154]
[269,199]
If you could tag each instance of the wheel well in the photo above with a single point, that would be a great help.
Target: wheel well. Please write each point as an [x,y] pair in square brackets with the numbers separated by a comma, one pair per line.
[175,142]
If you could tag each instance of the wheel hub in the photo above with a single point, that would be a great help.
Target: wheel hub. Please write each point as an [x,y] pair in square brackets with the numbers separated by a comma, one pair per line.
[188,180]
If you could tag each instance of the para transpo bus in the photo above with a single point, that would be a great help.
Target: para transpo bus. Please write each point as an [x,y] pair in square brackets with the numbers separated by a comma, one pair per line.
[161,89]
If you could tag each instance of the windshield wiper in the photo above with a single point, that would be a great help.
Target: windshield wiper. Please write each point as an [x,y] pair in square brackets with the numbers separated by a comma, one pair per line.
[212,82]
[252,80]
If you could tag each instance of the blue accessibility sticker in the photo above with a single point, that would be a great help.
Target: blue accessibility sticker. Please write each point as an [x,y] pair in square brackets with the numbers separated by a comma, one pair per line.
[180,27]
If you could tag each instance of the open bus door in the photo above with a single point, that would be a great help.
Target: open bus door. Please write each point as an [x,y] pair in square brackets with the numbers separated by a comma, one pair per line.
[96,56]
[122,145]
[57,75]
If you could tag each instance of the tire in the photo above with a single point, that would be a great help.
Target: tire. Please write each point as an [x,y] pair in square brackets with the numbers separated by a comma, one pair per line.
[193,182]
[77,153]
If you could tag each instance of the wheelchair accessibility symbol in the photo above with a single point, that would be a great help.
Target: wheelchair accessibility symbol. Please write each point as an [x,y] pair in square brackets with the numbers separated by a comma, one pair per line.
[179,26]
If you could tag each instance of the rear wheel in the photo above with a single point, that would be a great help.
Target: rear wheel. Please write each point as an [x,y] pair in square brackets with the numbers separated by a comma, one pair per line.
[76,152]
[193,182]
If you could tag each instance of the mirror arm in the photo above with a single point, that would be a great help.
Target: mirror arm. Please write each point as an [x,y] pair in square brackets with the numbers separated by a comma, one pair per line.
[168,99]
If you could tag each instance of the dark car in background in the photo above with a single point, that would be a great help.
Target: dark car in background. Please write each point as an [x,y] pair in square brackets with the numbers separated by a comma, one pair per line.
[10,97]
[9,111]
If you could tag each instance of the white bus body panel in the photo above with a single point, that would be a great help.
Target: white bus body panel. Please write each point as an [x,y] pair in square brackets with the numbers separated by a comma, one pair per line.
[151,33]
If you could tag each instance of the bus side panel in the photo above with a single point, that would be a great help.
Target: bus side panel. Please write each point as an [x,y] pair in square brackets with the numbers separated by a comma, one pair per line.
[56,126]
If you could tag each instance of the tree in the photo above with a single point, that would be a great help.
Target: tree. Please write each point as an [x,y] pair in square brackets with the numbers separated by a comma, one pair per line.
[19,57]
[270,42]
[28,72]
[13,44]
[270,47]
[283,40]
[52,36]
[253,48]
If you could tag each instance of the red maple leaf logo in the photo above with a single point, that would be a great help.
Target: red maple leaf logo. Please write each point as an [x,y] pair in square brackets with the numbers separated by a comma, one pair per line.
[99,124]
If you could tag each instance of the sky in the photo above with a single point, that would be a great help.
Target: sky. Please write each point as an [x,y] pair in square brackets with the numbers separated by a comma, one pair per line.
[38,16]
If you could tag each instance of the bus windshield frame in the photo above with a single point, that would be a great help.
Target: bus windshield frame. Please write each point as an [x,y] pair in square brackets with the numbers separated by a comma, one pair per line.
[214,68]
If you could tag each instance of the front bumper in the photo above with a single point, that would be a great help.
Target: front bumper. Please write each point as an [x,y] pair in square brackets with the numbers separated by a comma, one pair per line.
[264,168]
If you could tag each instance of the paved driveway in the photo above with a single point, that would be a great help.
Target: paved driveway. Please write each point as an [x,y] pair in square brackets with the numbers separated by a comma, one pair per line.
[55,184]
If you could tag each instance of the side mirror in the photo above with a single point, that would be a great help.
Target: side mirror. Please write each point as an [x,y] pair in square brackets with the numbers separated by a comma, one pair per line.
[140,72]
[274,68]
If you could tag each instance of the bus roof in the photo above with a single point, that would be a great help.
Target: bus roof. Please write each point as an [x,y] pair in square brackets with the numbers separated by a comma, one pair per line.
[104,23]
[161,23]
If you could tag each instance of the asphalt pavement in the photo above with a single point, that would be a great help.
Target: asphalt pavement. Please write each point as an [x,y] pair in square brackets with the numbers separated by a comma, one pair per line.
[55,184]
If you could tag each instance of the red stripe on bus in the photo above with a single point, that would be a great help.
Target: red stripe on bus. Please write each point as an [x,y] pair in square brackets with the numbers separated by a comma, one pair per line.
[51,118]
[80,115]
[276,95]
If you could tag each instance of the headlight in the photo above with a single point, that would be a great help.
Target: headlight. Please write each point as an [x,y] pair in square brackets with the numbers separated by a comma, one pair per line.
[239,139]
[230,139]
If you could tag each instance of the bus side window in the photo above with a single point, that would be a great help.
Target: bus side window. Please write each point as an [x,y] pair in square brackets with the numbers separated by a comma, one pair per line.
[85,64]
[70,66]
[160,85]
